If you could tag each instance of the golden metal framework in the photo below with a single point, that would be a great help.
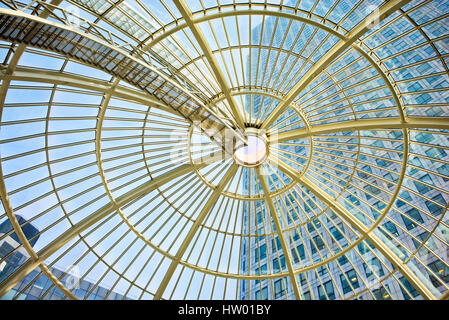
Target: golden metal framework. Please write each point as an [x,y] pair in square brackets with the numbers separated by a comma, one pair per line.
[146,205]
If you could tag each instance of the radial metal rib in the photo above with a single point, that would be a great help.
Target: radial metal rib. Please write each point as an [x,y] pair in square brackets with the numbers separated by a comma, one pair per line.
[9,211]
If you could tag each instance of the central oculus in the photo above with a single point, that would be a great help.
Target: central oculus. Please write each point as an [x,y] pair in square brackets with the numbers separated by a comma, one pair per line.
[255,152]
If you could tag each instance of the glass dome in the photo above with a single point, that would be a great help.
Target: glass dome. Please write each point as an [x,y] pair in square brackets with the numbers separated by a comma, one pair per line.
[119,122]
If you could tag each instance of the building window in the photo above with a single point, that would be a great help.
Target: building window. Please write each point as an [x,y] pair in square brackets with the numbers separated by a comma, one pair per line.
[444,171]
[301,252]
[259,217]
[421,188]
[275,247]
[436,153]
[321,270]
[295,256]
[276,263]
[261,271]
[352,276]
[312,228]
[404,195]
[371,190]
[391,228]
[294,215]
[306,296]
[295,235]
[362,248]
[430,243]
[261,233]
[302,279]
[336,233]
[435,209]
[342,260]
[261,251]
[289,220]
[440,269]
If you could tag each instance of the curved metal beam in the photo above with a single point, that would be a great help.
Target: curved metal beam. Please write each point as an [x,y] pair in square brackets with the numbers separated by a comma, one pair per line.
[384,11]
[363,124]
[93,218]
[362,229]
[281,237]
[199,220]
